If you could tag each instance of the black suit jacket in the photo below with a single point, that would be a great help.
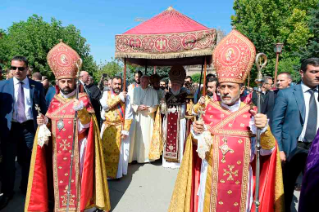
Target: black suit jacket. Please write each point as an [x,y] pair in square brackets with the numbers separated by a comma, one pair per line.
[268,105]
[7,103]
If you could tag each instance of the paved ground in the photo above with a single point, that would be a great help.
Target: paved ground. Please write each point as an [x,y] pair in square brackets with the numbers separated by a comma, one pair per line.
[147,188]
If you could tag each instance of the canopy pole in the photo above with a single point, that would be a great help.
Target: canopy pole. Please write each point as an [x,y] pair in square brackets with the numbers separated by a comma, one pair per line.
[145,72]
[200,82]
[205,72]
[154,70]
[124,76]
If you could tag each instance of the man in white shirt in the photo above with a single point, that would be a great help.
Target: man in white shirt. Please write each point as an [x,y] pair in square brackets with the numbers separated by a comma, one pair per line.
[19,97]
[295,123]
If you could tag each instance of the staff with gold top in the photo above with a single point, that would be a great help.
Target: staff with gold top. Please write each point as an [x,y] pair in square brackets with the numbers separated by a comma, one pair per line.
[219,176]
[75,140]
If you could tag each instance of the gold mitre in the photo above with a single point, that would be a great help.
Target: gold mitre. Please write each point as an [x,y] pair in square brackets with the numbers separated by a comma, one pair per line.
[64,61]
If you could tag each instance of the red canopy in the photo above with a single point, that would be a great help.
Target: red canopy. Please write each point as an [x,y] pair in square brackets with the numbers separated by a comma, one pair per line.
[166,39]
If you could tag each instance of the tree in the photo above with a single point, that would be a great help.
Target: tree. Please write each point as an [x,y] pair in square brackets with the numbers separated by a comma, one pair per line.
[312,48]
[266,22]
[34,38]
[111,69]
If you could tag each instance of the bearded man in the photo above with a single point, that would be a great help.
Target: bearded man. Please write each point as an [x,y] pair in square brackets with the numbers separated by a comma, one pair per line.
[174,122]
[117,118]
[50,174]
[137,81]
[217,172]
[145,103]
[211,88]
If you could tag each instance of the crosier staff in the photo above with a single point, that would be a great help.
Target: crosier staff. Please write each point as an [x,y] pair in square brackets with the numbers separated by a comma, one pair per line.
[261,62]
[78,65]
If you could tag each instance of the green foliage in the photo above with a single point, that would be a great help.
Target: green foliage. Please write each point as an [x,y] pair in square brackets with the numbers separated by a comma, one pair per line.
[266,22]
[196,78]
[34,38]
[290,65]
[162,71]
[312,48]
[111,69]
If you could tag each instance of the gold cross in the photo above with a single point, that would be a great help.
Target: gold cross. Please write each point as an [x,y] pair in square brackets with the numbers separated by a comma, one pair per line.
[64,145]
[225,149]
[230,172]
[65,197]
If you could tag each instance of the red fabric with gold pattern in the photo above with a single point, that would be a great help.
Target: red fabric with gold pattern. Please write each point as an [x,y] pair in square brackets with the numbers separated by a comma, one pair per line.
[62,110]
[231,153]
[168,35]
[172,141]
[63,61]
[234,57]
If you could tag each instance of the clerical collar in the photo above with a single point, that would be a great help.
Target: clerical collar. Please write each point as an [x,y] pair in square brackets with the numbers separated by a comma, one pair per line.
[233,107]
[67,96]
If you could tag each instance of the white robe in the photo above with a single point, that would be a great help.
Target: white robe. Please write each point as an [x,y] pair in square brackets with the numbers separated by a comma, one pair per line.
[143,123]
[125,144]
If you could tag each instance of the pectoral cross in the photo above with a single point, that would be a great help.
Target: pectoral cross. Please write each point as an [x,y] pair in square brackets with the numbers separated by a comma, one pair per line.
[37,108]
[225,149]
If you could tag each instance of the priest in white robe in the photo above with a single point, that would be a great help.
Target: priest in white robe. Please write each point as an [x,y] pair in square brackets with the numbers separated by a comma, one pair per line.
[144,104]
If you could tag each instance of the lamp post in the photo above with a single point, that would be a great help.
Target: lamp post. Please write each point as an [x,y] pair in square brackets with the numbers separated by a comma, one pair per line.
[278,50]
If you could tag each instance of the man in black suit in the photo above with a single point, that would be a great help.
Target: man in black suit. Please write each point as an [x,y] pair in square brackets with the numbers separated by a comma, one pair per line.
[266,87]
[295,123]
[93,92]
[18,123]
[284,80]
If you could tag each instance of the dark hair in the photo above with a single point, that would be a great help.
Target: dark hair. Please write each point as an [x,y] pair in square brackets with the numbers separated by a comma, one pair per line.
[212,79]
[310,61]
[139,73]
[189,77]
[210,75]
[117,77]
[287,73]
[37,76]
[22,59]
[266,78]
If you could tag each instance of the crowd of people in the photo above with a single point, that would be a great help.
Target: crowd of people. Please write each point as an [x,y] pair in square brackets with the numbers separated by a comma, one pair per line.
[71,138]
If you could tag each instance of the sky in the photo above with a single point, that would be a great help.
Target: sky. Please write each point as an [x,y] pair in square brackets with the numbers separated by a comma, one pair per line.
[100,20]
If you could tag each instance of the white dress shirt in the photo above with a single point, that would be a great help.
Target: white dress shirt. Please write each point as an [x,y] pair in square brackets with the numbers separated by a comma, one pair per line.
[307,95]
[27,99]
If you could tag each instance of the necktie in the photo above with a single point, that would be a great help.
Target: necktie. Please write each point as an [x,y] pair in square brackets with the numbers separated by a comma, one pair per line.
[21,106]
[312,118]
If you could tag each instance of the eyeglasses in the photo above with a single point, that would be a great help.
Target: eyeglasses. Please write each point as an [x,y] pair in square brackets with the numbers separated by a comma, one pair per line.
[19,68]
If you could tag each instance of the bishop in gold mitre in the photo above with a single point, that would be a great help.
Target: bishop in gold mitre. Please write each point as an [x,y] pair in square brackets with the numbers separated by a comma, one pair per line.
[51,159]
[218,169]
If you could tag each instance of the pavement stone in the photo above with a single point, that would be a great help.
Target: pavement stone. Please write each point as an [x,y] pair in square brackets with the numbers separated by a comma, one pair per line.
[146,188]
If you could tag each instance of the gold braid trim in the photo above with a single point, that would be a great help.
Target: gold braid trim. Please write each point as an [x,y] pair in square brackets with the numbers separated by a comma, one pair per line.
[127,124]
[84,116]
[267,140]
[279,186]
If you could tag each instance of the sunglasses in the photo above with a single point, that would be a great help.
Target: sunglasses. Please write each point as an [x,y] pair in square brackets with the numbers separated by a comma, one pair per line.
[19,68]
